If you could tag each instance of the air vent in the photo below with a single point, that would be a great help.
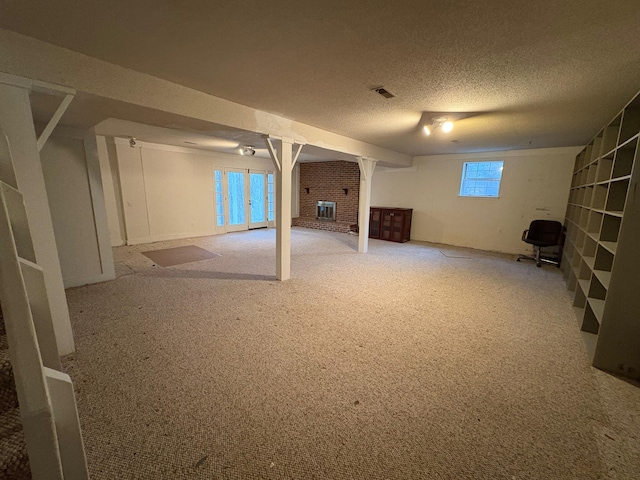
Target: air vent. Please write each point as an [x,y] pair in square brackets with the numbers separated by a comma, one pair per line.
[190,143]
[383,91]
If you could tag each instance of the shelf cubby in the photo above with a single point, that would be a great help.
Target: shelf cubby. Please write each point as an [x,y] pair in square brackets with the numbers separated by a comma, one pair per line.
[575,215]
[610,135]
[604,259]
[565,270]
[597,148]
[574,180]
[594,222]
[572,280]
[610,228]
[584,218]
[588,194]
[596,289]
[589,246]
[617,196]
[580,236]
[580,299]
[591,175]
[576,261]
[630,122]
[599,198]
[587,155]
[568,251]
[584,273]
[584,173]
[590,322]
[612,247]
[604,277]
[605,167]
[623,161]
[580,160]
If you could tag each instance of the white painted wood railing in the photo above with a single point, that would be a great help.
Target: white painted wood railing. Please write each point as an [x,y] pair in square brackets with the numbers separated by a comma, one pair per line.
[45,395]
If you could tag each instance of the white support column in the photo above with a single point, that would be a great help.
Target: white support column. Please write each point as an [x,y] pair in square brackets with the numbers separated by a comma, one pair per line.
[15,113]
[98,202]
[284,159]
[367,165]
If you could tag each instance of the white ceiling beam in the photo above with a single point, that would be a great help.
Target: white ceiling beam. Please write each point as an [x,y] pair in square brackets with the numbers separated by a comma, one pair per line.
[58,66]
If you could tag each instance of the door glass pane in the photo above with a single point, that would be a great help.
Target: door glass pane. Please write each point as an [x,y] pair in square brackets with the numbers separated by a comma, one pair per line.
[235,194]
[270,197]
[217,178]
[257,197]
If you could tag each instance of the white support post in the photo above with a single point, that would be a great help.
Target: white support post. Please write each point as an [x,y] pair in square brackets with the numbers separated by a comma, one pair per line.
[98,202]
[367,165]
[284,160]
[15,113]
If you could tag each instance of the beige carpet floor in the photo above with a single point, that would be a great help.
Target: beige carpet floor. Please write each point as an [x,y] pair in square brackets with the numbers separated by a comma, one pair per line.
[414,361]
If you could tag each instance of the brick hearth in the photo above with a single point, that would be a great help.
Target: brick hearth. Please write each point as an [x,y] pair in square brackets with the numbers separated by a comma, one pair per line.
[310,222]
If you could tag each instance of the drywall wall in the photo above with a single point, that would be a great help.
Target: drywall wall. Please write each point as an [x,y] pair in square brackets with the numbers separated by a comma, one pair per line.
[164,192]
[179,194]
[68,174]
[535,184]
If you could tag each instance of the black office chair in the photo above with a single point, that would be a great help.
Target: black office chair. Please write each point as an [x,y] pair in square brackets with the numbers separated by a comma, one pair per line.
[541,234]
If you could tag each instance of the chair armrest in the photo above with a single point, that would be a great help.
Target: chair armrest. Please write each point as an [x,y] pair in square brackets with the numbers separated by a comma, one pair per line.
[524,234]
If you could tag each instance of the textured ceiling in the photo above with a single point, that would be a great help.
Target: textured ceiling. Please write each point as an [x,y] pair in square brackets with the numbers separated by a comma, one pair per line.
[518,74]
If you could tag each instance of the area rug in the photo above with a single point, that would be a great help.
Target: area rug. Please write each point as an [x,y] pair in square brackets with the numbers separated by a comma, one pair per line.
[178,255]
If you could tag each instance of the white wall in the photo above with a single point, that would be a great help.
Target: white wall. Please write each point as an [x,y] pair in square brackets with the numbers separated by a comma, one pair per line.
[160,192]
[535,185]
[70,176]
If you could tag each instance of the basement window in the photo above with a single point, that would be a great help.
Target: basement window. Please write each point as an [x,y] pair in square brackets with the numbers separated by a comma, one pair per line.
[481,179]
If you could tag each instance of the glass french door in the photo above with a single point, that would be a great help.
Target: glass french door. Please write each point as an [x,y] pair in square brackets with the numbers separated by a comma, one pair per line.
[235,199]
[257,199]
[243,199]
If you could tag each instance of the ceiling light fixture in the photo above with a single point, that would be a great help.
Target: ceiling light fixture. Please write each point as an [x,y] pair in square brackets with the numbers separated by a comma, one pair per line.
[247,150]
[438,122]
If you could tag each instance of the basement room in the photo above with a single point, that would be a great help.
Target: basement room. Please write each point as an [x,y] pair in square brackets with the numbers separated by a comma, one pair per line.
[319,240]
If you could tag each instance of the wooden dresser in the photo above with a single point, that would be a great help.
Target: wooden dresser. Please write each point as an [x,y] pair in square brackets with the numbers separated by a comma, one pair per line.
[388,223]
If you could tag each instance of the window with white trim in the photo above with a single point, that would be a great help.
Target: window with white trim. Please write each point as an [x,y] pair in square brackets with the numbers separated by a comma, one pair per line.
[481,179]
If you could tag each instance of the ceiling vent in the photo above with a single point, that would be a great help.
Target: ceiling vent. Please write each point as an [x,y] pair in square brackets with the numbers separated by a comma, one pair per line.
[383,91]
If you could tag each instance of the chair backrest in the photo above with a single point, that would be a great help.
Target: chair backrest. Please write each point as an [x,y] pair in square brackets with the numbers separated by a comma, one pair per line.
[545,231]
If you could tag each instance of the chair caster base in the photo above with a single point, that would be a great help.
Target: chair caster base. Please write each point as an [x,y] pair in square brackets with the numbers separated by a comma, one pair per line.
[539,261]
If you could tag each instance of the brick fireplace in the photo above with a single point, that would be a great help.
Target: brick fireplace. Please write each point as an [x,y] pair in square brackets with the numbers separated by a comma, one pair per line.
[335,181]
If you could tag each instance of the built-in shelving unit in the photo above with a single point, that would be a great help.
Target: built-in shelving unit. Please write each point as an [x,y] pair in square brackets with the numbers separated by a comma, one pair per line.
[602,248]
